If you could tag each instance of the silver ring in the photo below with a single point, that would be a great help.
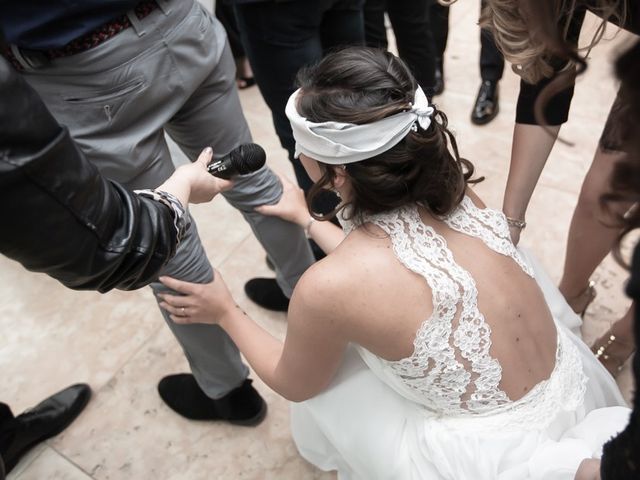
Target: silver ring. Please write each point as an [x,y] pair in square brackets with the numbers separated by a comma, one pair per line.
[182,311]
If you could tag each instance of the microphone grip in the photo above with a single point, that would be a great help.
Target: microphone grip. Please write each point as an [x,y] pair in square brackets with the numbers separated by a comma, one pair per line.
[246,158]
[222,168]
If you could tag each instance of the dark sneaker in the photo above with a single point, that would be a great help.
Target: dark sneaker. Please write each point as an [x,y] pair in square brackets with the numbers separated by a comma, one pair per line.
[241,406]
[266,293]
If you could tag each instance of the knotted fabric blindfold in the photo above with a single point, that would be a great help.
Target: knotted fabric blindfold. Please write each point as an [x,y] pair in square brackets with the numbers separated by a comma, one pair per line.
[338,143]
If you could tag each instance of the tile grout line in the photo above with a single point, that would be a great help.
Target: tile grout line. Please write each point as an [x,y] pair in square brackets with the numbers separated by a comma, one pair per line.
[25,467]
[69,461]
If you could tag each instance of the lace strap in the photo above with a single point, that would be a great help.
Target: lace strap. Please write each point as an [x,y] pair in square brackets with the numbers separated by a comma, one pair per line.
[488,225]
[422,250]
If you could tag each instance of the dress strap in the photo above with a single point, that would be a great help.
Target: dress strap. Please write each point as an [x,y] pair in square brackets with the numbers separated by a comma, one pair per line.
[488,225]
[451,363]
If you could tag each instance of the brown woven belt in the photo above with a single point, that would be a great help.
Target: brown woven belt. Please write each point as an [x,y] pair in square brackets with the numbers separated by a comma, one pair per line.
[83,43]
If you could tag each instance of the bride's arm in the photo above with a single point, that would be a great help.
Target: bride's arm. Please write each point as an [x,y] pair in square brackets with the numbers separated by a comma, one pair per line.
[589,469]
[307,361]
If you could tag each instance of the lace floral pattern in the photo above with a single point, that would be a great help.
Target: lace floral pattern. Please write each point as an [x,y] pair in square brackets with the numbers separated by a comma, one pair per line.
[488,225]
[451,369]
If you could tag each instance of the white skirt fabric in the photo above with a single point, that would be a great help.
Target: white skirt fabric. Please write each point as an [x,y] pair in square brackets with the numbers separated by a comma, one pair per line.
[364,429]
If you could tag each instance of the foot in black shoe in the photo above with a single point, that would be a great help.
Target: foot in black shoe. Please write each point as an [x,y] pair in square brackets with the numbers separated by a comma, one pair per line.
[486,107]
[51,416]
[241,406]
[266,293]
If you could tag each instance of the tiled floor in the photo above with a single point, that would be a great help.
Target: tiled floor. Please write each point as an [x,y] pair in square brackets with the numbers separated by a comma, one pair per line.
[118,343]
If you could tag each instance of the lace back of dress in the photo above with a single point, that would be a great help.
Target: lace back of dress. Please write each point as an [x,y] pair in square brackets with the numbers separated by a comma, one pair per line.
[450,368]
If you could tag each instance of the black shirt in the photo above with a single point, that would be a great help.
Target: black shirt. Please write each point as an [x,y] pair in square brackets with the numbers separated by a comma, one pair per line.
[556,111]
[44,24]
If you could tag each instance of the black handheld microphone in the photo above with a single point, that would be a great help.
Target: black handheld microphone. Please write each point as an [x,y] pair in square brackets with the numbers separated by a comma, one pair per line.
[244,159]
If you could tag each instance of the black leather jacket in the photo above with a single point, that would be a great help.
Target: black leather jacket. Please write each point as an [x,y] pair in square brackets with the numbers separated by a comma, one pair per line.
[59,216]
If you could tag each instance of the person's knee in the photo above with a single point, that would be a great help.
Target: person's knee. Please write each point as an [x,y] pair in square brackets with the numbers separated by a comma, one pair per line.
[259,188]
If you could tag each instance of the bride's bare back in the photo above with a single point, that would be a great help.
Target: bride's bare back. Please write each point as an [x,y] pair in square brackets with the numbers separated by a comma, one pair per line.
[384,304]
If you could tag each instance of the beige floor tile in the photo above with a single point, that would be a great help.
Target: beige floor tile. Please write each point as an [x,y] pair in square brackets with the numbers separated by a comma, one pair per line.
[118,343]
[52,336]
[50,465]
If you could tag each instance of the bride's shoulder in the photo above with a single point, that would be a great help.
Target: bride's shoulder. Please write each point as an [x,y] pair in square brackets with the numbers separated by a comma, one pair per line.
[333,282]
[475,199]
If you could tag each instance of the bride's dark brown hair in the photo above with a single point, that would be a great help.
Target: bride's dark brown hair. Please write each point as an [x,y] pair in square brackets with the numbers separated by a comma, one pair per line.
[362,85]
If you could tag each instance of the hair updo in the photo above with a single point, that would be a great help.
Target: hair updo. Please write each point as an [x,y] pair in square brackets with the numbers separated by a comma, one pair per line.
[362,85]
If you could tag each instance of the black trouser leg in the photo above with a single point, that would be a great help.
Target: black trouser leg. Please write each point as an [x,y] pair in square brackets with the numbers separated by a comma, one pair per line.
[375,32]
[439,16]
[491,59]
[282,37]
[412,29]
[5,433]
[227,17]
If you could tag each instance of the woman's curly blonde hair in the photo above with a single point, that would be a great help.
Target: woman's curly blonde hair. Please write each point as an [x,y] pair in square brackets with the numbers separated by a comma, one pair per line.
[532,34]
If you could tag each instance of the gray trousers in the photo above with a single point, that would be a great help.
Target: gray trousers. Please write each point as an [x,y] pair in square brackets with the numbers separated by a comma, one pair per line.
[172,71]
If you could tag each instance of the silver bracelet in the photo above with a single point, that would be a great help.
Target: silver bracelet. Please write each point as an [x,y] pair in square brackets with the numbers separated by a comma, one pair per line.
[514,222]
[180,215]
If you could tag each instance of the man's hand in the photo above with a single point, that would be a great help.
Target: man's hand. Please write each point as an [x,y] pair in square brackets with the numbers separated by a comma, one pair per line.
[193,183]
[204,186]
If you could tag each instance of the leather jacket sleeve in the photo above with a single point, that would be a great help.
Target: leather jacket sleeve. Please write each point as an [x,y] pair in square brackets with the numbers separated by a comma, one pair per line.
[59,215]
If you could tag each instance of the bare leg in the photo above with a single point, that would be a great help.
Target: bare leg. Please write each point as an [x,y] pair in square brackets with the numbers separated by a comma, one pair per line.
[613,353]
[590,237]
[244,73]
[590,240]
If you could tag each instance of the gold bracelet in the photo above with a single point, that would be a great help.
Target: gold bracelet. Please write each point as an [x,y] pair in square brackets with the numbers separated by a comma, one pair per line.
[514,222]
[307,229]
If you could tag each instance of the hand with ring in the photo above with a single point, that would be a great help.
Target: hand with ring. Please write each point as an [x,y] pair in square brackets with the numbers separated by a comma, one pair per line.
[197,302]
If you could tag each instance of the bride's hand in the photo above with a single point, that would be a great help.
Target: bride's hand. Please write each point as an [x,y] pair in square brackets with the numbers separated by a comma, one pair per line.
[199,302]
[291,207]
[589,469]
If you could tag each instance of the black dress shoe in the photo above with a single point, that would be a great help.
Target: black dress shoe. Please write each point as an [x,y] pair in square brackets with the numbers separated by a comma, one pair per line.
[241,406]
[266,293]
[486,107]
[50,417]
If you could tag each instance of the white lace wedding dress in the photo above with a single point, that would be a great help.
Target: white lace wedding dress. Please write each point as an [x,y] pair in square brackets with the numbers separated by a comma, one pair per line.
[440,414]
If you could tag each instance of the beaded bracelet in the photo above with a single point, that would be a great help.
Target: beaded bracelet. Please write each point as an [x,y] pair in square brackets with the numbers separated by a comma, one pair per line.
[181,217]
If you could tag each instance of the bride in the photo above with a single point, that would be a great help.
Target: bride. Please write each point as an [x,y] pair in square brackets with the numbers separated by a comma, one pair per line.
[425,345]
